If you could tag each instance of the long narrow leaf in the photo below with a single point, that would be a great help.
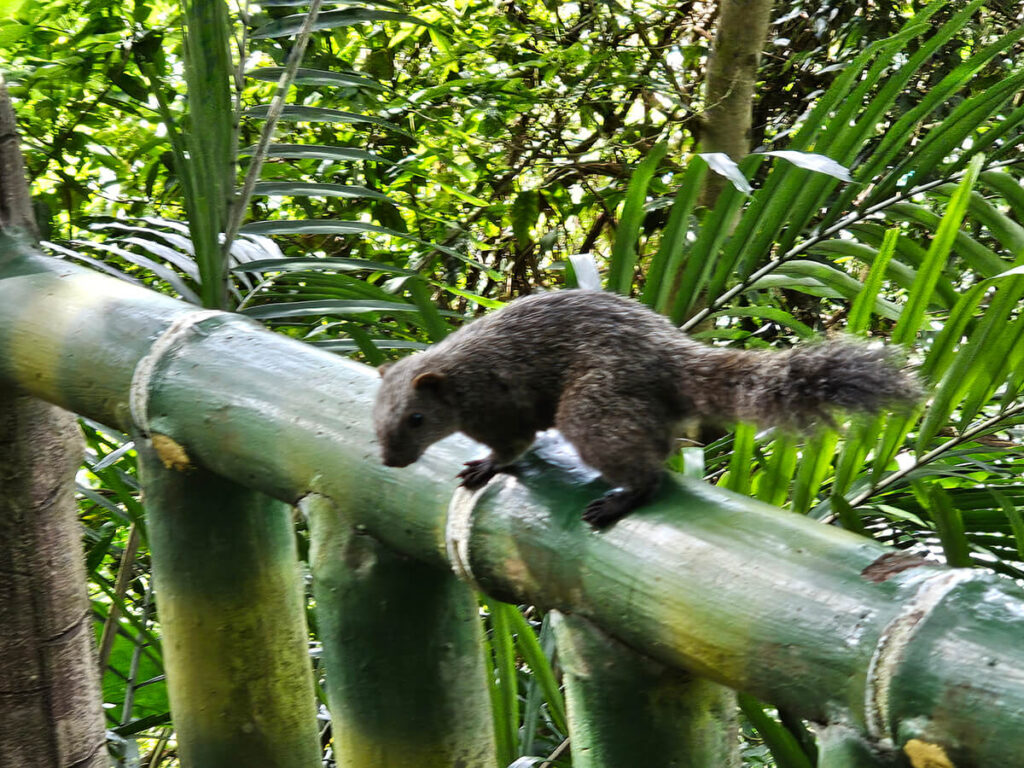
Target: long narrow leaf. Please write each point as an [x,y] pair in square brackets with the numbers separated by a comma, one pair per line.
[303,114]
[663,273]
[310,189]
[738,477]
[624,255]
[306,76]
[506,681]
[333,227]
[783,745]
[540,667]
[313,308]
[773,484]
[815,462]
[704,259]
[949,524]
[1014,516]
[290,25]
[318,152]
[330,263]
[978,256]
[860,312]
[913,315]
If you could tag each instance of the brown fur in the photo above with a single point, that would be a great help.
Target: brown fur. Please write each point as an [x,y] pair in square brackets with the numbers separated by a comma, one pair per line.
[616,379]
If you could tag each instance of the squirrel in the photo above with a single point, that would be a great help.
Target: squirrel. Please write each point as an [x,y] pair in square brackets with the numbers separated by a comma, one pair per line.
[616,379]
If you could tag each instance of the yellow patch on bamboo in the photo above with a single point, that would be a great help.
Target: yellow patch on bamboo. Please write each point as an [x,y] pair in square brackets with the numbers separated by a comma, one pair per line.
[923,754]
[172,454]
[44,332]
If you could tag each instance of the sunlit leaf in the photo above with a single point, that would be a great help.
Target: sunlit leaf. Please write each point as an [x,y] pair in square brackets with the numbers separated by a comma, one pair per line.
[723,165]
[813,162]
[290,25]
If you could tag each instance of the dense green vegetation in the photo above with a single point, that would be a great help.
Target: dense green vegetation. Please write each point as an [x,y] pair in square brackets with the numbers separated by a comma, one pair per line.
[435,159]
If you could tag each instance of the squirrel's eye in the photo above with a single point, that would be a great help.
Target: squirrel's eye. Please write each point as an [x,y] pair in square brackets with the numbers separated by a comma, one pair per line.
[415,419]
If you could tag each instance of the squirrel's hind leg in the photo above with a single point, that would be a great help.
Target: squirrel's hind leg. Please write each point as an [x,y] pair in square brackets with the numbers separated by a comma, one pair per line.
[616,504]
[623,437]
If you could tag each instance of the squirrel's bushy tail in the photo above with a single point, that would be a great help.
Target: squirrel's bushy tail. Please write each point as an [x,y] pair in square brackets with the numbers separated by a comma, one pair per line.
[801,387]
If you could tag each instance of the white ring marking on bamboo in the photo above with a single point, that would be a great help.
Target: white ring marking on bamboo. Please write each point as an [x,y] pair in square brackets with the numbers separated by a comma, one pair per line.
[459,527]
[893,643]
[138,393]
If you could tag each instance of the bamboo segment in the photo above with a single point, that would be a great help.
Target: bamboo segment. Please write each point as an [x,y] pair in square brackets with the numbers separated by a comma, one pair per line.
[625,709]
[231,608]
[828,625]
[843,747]
[403,652]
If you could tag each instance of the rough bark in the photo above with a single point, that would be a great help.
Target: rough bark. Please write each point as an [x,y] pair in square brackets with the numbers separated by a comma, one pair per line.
[729,88]
[49,684]
[15,202]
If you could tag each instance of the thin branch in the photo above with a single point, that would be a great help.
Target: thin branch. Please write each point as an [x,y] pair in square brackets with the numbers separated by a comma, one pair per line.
[125,572]
[241,200]
[936,452]
[556,754]
[242,42]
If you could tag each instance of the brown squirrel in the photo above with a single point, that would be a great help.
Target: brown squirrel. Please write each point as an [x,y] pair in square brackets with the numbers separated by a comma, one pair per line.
[616,379]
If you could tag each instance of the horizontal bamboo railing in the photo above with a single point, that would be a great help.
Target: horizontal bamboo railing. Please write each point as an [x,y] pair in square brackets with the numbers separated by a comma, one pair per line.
[831,626]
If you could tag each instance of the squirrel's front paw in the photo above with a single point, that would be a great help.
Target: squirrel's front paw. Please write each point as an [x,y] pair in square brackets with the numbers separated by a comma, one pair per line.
[476,473]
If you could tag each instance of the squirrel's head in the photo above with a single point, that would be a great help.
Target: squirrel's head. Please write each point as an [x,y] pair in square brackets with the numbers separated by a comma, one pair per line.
[415,408]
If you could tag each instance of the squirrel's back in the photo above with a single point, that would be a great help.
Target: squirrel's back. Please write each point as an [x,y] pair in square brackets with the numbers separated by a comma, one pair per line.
[563,329]
[537,345]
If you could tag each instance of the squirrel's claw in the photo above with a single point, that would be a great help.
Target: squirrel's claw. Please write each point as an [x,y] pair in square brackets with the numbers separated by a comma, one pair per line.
[476,473]
[615,505]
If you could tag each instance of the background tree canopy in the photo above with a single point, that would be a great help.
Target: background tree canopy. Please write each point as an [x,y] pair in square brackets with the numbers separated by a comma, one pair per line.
[436,158]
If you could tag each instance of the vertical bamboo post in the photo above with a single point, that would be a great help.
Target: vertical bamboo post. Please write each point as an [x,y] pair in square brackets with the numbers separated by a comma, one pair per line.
[230,600]
[841,746]
[403,653]
[626,709]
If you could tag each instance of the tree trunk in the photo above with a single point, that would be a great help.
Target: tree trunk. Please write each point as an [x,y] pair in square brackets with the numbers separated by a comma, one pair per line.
[15,202]
[729,88]
[49,683]
[49,686]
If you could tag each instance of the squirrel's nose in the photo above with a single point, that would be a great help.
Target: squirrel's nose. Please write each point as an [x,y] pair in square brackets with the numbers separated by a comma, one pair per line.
[390,460]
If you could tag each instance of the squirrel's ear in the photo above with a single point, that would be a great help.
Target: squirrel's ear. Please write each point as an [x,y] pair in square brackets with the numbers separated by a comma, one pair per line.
[429,380]
[383,368]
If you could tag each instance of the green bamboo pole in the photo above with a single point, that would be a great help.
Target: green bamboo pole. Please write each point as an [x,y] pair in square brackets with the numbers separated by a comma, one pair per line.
[625,709]
[231,609]
[821,622]
[403,653]
[842,747]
